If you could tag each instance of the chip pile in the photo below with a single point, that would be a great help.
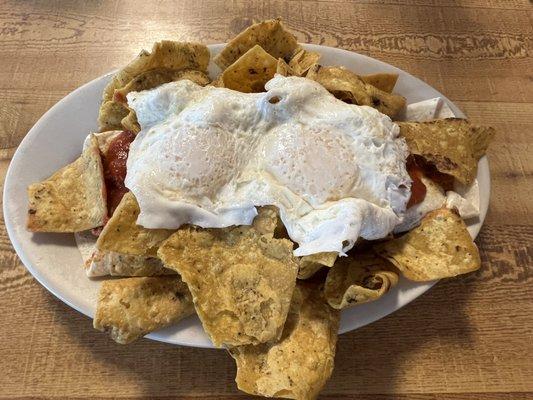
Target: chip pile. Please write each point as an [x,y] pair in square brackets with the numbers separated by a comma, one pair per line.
[274,312]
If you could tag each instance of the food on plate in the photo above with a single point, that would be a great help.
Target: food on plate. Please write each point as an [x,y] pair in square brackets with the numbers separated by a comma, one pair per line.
[121,234]
[265,199]
[358,278]
[103,263]
[250,72]
[111,115]
[440,247]
[177,60]
[351,88]
[241,281]
[384,82]
[453,145]
[302,61]
[270,35]
[310,264]
[177,56]
[267,149]
[131,308]
[72,199]
[300,363]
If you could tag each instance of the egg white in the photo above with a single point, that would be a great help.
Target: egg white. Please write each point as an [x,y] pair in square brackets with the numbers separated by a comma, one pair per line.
[208,156]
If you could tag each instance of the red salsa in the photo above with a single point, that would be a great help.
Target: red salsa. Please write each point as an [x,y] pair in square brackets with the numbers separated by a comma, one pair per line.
[114,163]
[418,189]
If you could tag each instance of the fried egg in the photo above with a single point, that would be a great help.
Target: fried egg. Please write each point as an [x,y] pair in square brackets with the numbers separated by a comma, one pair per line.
[209,156]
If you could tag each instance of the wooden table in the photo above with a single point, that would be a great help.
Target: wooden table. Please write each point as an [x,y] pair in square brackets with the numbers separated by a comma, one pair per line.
[467,338]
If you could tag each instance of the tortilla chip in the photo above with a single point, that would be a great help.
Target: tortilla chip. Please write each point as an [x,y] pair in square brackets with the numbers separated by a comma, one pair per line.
[358,279]
[104,263]
[384,82]
[219,82]
[310,264]
[130,308]
[156,77]
[110,115]
[251,71]
[440,247]
[129,122]
[348,87]
[241,281]
[302,61]
[270,35]
[298,366]
[165,54]
[104,139]
[71,200]
[283,68]
[121,234]
[453,145]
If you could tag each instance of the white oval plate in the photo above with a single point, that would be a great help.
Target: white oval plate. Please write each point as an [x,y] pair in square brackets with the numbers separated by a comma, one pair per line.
[56,140]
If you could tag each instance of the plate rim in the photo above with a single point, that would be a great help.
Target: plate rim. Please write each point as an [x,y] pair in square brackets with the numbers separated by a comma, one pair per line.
[483,167]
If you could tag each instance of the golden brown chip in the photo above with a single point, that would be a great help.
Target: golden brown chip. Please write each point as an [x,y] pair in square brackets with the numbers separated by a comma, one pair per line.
[104,139]
[111,114]
[453,145]
[121,234]
[283,68]
[156,77]
[132,307]
[165,54]
[104,263]
[384,82]
[358,279]
[347,86]
[309,265]
[270,35]
[130,123]
[300,363]
[218,82]
[71,200]
[241,281]
[251,71]
[302,61]
[440,247]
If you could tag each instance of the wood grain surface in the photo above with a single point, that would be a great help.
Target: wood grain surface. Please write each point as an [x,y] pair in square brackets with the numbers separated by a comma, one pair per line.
[467,338]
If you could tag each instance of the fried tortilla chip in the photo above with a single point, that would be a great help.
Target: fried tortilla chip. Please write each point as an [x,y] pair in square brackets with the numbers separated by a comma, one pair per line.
[165,54]
[440,247]
[283,68]
[156,77]
[109,263]
[358,279]
[300,363]
[111,114]
[121,234]
[241,281]
[251,71]
[302,61]
[270,35]
[310,264]
[348,87]
[71,200]
[130,123]
[103,139]
[132,307]
[218,82]
[453,145]
[384,82]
